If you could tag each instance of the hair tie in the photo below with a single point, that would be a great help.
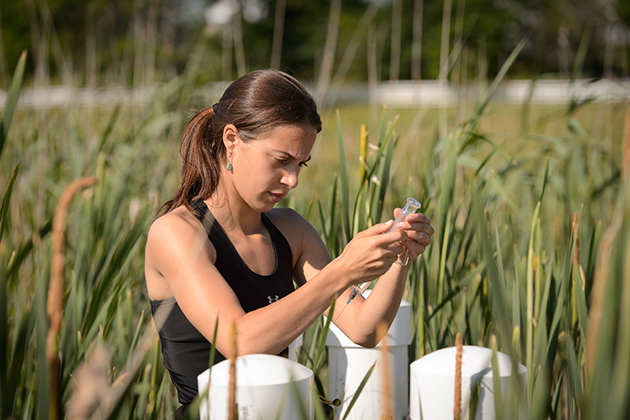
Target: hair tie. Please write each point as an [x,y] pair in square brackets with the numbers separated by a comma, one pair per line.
[215,107]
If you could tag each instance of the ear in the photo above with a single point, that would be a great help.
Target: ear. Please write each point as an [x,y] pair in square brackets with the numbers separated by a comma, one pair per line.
[230,137]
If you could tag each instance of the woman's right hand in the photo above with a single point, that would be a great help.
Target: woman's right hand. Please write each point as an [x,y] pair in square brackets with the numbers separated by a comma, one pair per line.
[370,253]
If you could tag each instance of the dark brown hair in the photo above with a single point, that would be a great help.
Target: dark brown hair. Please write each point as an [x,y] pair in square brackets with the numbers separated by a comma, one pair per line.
[254,103]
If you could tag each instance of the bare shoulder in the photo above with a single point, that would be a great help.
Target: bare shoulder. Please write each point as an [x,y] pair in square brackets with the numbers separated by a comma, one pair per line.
[291,223]
[280,215]
[172,239]
[309,251]
[175,225]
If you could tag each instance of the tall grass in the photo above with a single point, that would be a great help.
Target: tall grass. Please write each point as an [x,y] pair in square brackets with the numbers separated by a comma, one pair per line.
[530,256]
[101,289]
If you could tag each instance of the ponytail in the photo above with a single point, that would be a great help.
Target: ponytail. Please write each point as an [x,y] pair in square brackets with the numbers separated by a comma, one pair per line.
[202,152]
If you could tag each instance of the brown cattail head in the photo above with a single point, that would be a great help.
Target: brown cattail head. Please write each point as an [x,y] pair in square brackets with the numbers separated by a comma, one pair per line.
[457,403]
[55,293]
[387,413]
[55,289]
[232,408]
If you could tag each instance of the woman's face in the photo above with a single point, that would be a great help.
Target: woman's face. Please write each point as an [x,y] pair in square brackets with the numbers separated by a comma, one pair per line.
[266,168]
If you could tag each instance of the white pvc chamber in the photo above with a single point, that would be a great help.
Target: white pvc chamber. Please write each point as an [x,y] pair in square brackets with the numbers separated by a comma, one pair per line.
[267,387]
[348,363]
[294,348]
[432,387]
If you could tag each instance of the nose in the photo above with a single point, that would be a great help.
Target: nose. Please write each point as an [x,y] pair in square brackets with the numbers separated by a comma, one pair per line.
[290,178]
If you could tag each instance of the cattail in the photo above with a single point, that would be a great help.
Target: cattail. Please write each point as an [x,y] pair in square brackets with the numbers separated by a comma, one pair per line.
[55,291]
[232,407]
[457,403]
[387,413]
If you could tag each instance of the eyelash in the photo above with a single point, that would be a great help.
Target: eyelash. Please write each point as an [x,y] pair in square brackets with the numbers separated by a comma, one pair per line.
[285,161]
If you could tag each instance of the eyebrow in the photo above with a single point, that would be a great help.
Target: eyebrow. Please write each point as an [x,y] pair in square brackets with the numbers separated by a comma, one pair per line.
[293,157]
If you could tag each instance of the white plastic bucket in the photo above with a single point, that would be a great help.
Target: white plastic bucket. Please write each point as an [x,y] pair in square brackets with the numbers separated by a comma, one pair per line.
[267,387]
[432,388]
[348,363]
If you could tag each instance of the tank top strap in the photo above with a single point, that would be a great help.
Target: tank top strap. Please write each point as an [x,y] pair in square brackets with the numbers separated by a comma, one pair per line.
[283,249]
[204,215]
[199,207]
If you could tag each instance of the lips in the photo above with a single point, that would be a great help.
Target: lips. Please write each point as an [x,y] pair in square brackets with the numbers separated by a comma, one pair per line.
[276,197]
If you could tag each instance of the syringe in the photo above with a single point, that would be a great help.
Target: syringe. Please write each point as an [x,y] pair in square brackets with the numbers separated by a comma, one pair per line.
[411,207]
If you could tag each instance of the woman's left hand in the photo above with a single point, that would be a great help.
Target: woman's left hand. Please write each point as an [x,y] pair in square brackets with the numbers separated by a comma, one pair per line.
[419,231]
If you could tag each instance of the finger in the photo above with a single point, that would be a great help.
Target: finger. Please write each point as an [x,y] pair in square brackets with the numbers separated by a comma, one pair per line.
[412,219]
[420,227]
[391,260]
[417,251]
[423,218]
[395,248]
[422,238]
[417,222]
[379,228]
[391,238]
[382,233]
[386,264]
[418,217]
[416,248]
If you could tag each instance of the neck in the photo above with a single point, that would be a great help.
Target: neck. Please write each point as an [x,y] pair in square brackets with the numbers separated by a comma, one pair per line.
[232,212]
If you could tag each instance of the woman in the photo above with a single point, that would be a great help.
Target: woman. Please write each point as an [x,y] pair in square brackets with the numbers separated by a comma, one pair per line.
[221,255]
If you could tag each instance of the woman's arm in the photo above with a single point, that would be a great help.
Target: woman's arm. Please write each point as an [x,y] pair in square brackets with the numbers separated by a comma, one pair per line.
[383,302]
[360,319]
[180,261]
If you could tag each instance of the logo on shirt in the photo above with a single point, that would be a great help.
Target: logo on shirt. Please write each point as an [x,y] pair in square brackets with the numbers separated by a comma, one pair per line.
[273,299]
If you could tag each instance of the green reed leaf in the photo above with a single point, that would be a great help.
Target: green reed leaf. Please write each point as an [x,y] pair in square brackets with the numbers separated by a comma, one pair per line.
[358,391]
[12,98]
[4,210]
[343,183]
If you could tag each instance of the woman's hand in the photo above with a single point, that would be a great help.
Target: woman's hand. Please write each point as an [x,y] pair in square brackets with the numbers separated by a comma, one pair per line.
[418,232]
[371,253]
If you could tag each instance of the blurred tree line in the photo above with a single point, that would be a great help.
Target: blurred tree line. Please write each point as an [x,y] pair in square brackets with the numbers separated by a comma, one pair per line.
[139,42]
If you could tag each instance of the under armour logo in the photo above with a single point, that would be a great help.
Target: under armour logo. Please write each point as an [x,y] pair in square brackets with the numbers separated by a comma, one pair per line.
[272,299]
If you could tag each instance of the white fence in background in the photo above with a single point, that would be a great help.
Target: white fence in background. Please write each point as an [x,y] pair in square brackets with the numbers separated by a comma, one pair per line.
[434,93]
[404,93]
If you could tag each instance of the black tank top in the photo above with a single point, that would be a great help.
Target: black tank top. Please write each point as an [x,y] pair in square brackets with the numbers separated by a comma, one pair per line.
[185,350]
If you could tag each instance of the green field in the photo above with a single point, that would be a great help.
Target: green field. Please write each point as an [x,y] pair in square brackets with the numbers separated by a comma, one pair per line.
[531,248]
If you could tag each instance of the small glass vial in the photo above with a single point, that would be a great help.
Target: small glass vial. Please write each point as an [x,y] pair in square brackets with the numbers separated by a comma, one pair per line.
[411,207]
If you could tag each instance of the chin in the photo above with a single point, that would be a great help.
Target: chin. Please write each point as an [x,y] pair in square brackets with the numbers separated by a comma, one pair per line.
[262,206]
[266,209]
